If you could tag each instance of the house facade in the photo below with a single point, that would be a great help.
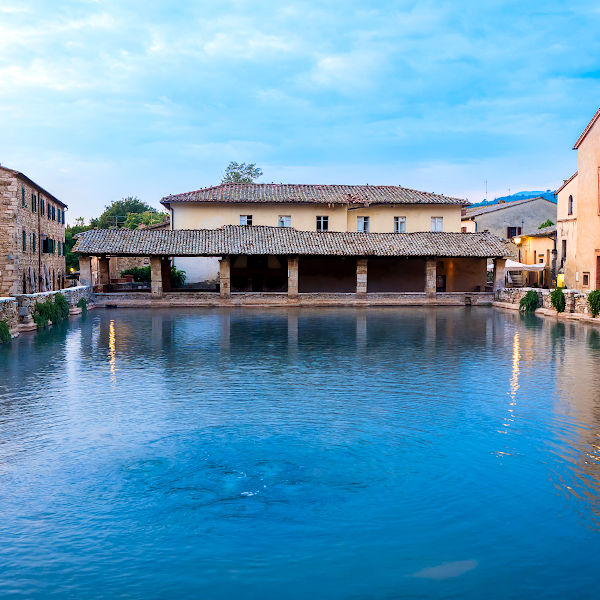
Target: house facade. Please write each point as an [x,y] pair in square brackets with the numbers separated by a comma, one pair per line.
[579,214]
[536,248]
[509,219]
[32,236]
[316,208]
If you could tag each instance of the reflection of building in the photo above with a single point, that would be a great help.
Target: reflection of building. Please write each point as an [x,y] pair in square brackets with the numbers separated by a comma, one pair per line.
[317,208]
[579,214]
[32,236]
[508,219]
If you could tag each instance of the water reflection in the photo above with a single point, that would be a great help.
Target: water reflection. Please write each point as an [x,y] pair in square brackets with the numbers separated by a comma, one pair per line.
[212,442]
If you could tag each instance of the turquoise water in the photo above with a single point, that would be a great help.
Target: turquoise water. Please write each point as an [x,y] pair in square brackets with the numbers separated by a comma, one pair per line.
[380,453]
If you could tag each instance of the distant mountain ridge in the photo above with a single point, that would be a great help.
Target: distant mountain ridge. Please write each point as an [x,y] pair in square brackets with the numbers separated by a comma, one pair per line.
[548,194]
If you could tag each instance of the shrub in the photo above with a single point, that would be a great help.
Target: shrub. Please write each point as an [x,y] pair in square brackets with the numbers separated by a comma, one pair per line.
[82,304]
[558,300]
[594,302]
[55,311]
[4,332]
[177,277]
[140,274]
[529,302]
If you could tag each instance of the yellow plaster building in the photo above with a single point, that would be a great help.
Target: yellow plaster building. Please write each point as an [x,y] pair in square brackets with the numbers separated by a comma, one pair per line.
[578,223]
[334,208]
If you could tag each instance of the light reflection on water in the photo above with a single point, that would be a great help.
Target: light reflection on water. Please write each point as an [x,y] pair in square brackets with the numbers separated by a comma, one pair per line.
[301,453]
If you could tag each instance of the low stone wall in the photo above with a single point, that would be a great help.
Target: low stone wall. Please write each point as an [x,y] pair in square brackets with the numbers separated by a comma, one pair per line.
[26,303]
[576,304]
[9,313]
[144,299]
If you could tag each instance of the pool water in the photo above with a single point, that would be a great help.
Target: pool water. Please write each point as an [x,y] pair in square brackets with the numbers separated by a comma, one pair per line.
[330,453]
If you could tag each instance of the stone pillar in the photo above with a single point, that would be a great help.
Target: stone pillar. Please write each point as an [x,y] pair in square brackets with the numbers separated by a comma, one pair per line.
[165,269]
[293,276]
[361,277]
[225,276]
[85,270]
[103,273]
[430,277]
[499,273]
[156,276]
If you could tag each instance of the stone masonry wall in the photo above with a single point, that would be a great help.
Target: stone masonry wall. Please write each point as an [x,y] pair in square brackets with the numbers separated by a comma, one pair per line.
[18,214]
[8,313]
[27,302]
[575,301]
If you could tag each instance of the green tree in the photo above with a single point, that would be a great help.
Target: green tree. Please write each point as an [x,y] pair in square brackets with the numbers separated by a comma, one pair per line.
[72,260]
[115,214]
[134,220]
[546,223]
[241,173]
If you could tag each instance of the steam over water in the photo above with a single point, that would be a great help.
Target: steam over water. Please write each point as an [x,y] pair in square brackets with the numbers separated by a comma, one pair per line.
[331,453]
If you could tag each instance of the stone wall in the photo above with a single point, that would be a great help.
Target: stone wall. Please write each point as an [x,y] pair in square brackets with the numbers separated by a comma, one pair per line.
[21,211]
[26,302]
[575,301]
[9,313]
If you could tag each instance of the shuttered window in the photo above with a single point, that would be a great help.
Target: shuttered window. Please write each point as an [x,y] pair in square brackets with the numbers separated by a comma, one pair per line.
[24,240]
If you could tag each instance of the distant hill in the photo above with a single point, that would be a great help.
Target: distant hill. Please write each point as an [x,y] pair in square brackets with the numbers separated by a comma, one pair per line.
[548,194]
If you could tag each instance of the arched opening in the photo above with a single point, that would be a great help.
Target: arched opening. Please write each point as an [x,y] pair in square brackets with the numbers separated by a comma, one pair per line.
[570,205]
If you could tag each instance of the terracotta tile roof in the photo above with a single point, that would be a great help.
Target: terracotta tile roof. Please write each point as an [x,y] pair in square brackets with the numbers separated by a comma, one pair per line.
[481,210]
[239,239]
[566,182]
[34,184]
[587,129]
[543,232]
[310,194]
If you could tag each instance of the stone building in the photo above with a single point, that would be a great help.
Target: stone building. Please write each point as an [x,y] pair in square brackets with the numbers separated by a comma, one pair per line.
[261,264]
[579,214]
[508,219]
[316,208]
[32,236]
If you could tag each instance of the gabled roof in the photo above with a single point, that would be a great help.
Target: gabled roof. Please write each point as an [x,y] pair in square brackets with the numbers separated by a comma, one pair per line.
[481,210]
[34,184]
[310,194]
[587,130]
[243,239]
[566,182]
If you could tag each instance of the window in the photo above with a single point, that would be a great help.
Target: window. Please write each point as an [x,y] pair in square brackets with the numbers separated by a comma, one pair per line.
[437,223]
[563,257]
[63,217]
[33,242]
[362,224]
[284,221]
[33,202]
[54,213]
[570,205]
[586,279]
[42,206]
[24,240]
[512,231]
[245,219]
[322,223]
[49,210]
[399,224]
[59,247]
[23,197]
[58,214]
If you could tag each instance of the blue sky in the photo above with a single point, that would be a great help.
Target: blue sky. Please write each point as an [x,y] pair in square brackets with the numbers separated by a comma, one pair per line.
[104,99]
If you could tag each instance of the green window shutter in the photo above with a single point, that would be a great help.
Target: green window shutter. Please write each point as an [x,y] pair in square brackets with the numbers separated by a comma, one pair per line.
[23,197]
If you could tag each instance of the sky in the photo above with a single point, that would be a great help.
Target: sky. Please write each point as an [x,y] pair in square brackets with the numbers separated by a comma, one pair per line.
[102,99]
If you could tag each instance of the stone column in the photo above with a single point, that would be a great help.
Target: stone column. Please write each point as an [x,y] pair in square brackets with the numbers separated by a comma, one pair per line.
[430,277]
[85,270]
[165,269]
[103,273]
[293,262]
[156,276]
[361,277]
[225,277]
[499,273]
